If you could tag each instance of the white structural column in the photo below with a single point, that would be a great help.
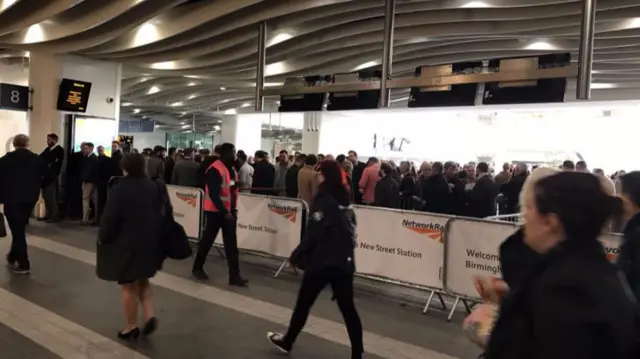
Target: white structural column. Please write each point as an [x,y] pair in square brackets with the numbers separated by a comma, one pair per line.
[244,131]
[45,73]
[311,132]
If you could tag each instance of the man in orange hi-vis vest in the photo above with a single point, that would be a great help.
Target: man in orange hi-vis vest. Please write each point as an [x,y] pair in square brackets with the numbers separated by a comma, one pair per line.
[221,198]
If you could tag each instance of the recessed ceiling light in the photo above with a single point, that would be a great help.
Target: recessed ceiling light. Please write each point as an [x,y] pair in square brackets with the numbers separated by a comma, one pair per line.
[222,88]
[136,110]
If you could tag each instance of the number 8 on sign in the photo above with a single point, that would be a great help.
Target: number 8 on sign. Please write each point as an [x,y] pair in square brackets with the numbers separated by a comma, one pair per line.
[15,96]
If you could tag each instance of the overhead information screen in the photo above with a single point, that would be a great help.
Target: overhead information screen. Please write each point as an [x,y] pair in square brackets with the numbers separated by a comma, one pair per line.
[73,95]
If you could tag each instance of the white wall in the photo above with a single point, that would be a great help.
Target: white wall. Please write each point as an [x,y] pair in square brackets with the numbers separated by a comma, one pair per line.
[142,140]
[105,80]
[12,122]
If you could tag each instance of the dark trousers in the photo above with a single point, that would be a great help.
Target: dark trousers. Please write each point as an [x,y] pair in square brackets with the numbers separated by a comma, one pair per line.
[342,285]
[17,215]
[214,222]
[50,196]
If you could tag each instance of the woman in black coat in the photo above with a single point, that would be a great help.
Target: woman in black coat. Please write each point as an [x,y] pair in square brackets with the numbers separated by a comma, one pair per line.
[572,304]
[327,256]
[129,250]
[629,257]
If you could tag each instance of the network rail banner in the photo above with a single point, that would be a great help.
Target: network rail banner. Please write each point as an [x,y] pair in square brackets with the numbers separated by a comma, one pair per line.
[472,249]
[187,208]
[270,225]
[404,246]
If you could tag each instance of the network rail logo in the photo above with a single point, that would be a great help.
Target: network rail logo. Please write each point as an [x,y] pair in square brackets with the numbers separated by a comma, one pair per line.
[288,212]
[431,230]
[189,198]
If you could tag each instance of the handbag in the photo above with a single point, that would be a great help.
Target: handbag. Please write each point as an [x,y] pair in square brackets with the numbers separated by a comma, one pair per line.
[174,241]
[3,228]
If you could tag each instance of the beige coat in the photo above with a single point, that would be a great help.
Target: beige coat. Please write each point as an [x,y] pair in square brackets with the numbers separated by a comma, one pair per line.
[307,184]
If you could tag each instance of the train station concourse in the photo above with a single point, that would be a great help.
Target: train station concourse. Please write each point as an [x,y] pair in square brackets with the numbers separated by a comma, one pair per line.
[237,115]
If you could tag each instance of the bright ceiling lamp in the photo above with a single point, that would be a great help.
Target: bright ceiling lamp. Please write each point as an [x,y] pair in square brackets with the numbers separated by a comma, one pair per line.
[191,97]
[231,111]
[145,34]
[246,104]
[365,65]
[191,84]
[125,104]
[34,34]
[6,3]
[222,88]
[185,126]
[602,86]
[153,89]
[167,65]
[541,45]
[632,23]
[179,103]
[278,38]
[275,68]
[475,4]
[136,110]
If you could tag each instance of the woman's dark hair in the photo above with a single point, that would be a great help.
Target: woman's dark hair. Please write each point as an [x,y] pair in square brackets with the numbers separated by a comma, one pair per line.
[333,183]
[579,201]
[134,164]
[631,187]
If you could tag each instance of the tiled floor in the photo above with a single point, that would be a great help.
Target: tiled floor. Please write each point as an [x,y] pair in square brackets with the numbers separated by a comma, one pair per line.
[64,308]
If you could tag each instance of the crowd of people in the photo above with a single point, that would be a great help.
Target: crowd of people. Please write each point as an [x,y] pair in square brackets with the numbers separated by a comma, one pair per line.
[560,297]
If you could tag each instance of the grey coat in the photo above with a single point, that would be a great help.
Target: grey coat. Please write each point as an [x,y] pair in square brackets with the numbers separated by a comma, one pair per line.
[129,246]
[185,173]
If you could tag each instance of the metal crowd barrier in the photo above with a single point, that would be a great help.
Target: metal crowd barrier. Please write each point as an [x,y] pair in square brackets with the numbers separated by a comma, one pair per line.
[436,253]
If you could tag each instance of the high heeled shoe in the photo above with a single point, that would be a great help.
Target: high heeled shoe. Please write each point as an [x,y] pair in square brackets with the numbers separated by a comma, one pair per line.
[150,326]
[132,334]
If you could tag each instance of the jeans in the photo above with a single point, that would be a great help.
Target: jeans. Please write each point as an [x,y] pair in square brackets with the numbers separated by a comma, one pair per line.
[17,215]
[214,222]
[50,195]
[342,285]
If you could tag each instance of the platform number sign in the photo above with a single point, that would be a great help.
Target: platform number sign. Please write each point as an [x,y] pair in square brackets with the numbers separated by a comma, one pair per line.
[14,97]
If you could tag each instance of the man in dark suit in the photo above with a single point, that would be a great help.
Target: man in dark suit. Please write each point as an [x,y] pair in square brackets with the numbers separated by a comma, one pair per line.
[264,174]
[116,158]
[105,172]
[482,198]
[53,157]
[358,169]
[90,177]
[22,175]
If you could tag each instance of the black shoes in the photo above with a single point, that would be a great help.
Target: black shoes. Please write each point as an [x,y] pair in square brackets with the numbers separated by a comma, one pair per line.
[150,326]
[18,267]
[238,281]
[132,334]
[277,339]
[199,275]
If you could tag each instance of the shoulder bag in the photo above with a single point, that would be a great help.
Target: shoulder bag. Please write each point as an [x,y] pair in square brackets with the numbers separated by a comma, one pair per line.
[174,240]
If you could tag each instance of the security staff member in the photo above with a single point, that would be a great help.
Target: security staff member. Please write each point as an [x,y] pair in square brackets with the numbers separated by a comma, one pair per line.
[221,197]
